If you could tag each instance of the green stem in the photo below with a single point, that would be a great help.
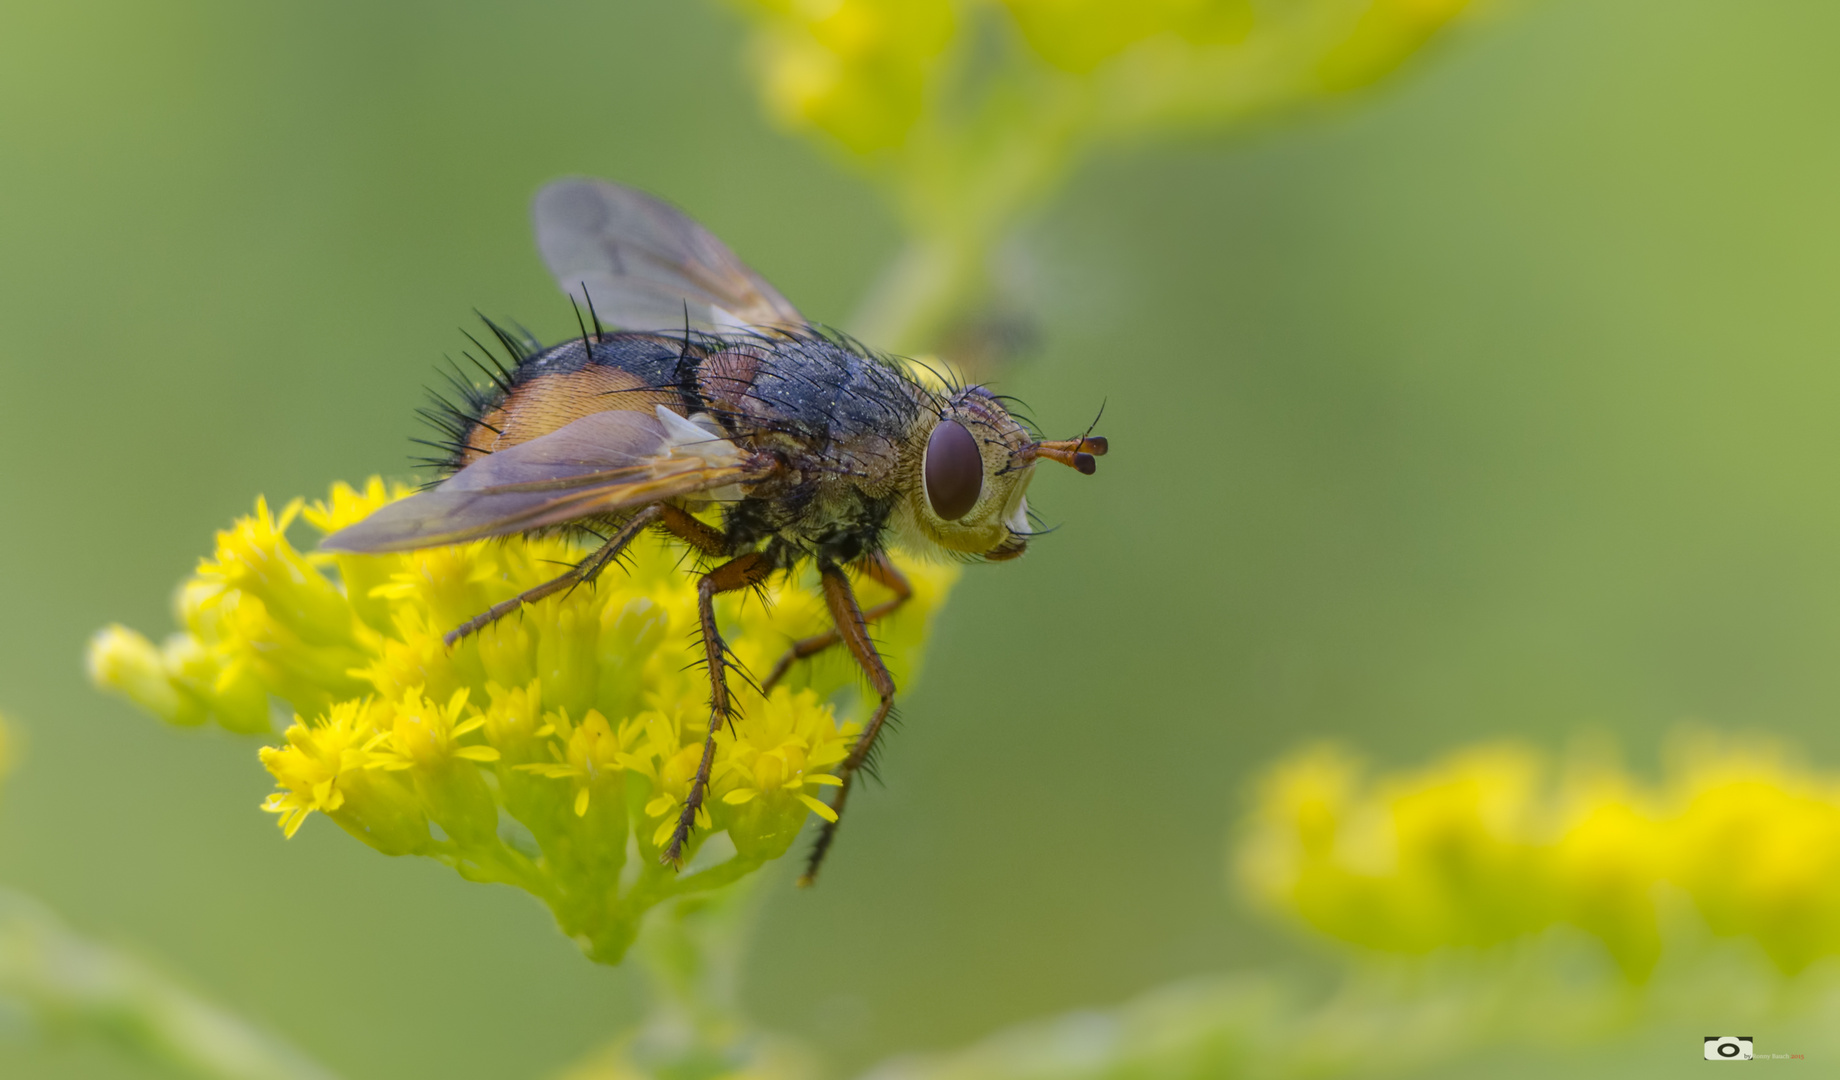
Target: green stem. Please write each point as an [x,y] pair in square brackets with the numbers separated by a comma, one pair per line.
[691,952]
[914,300]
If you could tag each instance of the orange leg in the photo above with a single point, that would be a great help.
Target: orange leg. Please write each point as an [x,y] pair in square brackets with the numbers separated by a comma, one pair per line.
[878,568]
[705,538]
[738,573]
[852,628]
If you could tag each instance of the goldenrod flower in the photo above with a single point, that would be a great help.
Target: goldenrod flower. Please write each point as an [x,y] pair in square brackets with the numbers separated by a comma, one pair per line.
[857,70]
[870,74]
[328,766]
[590,753]
[1756,842]
[970,112]
[1487,846]
[1079,35]
[535,753]
[777,763]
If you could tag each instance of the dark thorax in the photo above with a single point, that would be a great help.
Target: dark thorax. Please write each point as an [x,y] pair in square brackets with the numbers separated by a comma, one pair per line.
[838,418]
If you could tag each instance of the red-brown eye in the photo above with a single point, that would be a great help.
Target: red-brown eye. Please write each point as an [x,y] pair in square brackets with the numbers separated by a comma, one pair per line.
[954,471]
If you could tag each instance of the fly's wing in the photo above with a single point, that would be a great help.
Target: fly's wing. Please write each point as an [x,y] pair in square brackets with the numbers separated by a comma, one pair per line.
[645,265]
[601,464]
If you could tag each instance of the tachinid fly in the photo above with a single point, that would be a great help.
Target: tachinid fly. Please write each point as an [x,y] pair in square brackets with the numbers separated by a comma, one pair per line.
[716,394]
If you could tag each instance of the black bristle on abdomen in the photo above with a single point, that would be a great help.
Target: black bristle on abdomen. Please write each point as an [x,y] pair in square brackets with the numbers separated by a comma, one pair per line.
[454,412]
[520,346]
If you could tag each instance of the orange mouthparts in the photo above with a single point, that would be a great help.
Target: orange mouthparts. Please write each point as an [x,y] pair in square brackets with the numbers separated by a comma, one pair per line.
[1074,453]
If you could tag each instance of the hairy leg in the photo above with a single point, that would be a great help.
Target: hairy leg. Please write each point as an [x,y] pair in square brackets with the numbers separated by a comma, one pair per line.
[853,628]
[878,568]
[705,538]
[738,573]
[579,574]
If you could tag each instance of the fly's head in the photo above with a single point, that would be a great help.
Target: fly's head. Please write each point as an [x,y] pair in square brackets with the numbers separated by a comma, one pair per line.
[966,476]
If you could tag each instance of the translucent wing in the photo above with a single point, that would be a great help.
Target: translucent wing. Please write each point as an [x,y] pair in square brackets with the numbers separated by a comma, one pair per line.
[645,265]
[601,464]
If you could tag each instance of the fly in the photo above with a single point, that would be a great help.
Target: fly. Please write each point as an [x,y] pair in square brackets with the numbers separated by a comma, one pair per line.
[716,394]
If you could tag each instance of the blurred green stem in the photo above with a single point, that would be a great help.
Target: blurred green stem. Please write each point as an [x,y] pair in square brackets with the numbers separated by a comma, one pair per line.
[691,952]
[63,983]
[960,191]
[908,305]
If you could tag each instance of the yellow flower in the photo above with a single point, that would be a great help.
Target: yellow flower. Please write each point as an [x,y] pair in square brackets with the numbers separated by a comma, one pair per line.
[857,70]
[972,112]
[871,75]
[1079,35]
[428,735]
[592,754]
[1388,32]
[1486,846]
[1450,856]
[1756,843]
[472,755]
[322,768]
[775,763]
[673,763]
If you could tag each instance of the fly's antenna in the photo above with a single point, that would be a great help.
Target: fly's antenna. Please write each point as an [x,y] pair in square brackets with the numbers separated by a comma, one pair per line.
[1077,453]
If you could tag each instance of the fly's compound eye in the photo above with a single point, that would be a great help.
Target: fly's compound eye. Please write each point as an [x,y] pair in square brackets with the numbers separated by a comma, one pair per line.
[954,471]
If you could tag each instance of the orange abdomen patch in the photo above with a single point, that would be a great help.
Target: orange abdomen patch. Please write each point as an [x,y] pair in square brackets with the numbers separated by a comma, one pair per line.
[540,405]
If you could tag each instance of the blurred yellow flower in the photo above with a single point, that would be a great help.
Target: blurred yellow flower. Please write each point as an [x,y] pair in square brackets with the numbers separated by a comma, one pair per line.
[970,112]
[857,70]
[1079,35]
[536,753]
[868,73]
[1487,845]
[1756,842]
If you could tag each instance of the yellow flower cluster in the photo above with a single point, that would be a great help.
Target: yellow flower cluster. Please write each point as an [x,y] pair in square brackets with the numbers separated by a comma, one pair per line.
[1488,845]
[551,751]
[970,112]
[858,70]
[1079,35]
[866,73]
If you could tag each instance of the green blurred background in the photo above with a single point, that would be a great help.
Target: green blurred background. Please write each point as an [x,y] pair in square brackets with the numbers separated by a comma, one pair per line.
[1500,402]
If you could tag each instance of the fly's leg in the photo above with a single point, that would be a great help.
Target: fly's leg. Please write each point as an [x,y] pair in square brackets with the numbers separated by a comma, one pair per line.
[879,568]
[705,538]
[738,573]
[852,627]
[580,574]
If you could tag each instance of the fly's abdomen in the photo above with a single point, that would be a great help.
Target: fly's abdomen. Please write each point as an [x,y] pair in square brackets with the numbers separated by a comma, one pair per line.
[556,386]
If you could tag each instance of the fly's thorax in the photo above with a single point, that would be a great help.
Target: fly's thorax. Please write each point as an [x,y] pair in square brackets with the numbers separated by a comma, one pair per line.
[965,471]
[835,417]
[806,384]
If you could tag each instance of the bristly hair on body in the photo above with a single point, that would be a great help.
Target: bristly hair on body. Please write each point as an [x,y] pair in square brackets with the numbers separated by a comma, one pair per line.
[463,405]
[794,376]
